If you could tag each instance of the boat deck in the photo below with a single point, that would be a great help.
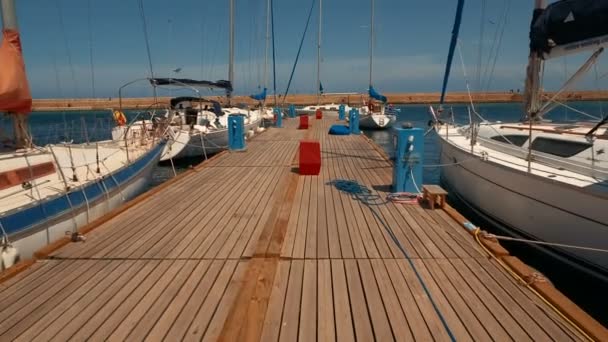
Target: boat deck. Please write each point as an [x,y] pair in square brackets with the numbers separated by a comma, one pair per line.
[243,248]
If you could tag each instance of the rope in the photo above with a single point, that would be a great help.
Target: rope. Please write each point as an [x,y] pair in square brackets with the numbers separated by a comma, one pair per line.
[527,284]
[67,47]
[364,195]
[552,244]
[293,70]
[89,11]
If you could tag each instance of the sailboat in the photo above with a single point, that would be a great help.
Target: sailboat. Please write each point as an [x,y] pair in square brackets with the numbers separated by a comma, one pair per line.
[200,126]
[49,192]
[332,107]
[543,181]
[373,113]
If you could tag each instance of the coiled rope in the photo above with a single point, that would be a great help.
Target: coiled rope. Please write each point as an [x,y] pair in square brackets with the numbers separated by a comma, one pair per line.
[364,195]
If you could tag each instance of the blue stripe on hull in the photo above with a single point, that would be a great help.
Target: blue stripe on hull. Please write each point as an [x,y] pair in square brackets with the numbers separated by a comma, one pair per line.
[54,207]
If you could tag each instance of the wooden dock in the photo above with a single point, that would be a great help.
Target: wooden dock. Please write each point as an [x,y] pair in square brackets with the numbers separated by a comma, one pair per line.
[243,248]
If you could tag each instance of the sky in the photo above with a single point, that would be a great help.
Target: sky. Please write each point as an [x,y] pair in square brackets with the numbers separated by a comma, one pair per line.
[61,37]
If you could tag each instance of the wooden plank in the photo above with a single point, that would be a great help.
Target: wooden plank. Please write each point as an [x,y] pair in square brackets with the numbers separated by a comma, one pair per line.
[185,294]
[19,321]
[291,310]
[274,314]
[202,319]
[228,299]
[397,320]
[361,318]
[292,226]
[182,322]
[308,311]
[310,250]
[376,307]
[326,330]
[300,238]
[126,298]
[419,323]
[448,309]
[322,230]
[142,318]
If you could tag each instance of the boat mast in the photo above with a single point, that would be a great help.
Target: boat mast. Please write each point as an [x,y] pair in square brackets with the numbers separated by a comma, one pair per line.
[319,53]
[9,22]
[533,71]
[266,49]
[453,42]
[231,52]
[371,42]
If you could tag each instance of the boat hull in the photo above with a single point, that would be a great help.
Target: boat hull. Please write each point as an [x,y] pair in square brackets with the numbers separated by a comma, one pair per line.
[187,145]
[33,228]
[532,206]
[374,121]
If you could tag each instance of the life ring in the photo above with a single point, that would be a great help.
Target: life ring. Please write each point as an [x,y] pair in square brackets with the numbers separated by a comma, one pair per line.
[120,118]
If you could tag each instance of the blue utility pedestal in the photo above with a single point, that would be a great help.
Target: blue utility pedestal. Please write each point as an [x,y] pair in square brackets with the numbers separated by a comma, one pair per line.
[353,122]
[341,112]
[409,150]
[292,111]
[236,132]
[278,118]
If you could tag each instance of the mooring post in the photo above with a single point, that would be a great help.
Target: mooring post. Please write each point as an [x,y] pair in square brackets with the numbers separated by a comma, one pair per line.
[236,132]
[353,119]
[409,150]
[278,117]
[341,112]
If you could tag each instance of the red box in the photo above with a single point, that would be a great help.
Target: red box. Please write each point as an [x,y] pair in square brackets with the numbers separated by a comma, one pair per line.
[319,114]
[303,122]
[310,157]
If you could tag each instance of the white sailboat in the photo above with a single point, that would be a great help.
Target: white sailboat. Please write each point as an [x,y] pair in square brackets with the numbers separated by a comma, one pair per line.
[48,192]
[542,180]
[373,115]
[199,126]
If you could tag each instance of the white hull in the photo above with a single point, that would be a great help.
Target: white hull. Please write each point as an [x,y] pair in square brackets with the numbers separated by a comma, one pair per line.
[376,121]
[54,228]
[185,144]
[537,207]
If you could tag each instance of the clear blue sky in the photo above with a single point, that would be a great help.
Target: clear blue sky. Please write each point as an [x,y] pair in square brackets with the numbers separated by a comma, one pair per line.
[412,38]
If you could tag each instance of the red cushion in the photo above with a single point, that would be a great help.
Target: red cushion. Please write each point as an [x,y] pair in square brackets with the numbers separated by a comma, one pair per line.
[303,122]
[319,114]
[310,157]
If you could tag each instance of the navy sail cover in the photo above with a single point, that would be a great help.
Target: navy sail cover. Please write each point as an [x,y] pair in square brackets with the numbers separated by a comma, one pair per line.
[221,84]
[569,21]
[376,95]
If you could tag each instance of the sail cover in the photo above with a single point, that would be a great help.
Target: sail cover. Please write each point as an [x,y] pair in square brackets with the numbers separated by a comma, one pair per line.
[570,26]
[15,94]
[221,84]
[376,95]
[260,97]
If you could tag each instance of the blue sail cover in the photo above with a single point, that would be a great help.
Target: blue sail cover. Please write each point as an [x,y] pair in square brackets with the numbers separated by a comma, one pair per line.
[260,97]
[376,95]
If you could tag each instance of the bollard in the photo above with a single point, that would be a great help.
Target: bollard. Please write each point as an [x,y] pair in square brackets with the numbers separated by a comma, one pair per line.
[292,111]
[236,132]
[409,150]
[303,122]
[341,112]
[278,118]
[353,123]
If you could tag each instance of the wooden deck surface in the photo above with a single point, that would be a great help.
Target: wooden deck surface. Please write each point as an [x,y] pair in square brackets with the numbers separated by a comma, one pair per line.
[246,249]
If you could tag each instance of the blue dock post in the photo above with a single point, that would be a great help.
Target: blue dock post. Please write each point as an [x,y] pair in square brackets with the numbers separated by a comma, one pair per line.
[341,112]
[278,117]
[407,171]
[353,121]
[236,132]
[292,111]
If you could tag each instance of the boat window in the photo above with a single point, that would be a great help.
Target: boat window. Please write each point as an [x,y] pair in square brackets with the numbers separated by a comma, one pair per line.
[557,147]
[518,140]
